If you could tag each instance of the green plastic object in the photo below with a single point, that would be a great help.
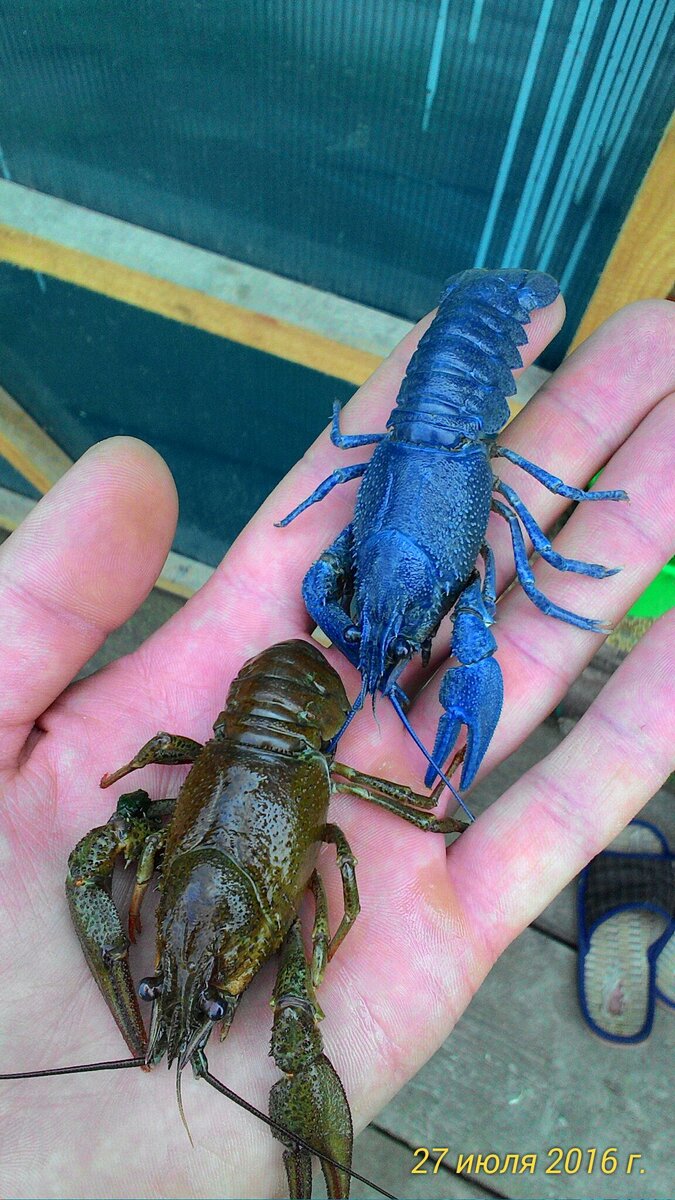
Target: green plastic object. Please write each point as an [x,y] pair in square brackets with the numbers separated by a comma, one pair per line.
[659,597]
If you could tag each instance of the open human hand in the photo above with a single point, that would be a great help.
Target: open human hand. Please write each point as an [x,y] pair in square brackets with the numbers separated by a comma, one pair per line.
[432,921]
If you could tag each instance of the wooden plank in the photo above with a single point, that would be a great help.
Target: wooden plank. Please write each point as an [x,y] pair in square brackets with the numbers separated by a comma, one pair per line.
[27,447]
[33,453]
[13,509]
[183,576]
[241,284]
[642,263]
[187,305]
[257,330]
[245,300]
[526,385]
[36,455]
[522,1073]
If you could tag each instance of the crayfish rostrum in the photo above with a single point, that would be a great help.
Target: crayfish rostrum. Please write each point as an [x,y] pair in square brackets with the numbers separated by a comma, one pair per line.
[237,855]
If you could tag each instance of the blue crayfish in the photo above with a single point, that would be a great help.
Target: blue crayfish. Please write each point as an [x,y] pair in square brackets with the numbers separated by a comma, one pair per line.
[408,558]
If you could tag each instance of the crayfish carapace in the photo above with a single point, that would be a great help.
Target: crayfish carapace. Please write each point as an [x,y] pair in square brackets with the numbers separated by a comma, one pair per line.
[237,856]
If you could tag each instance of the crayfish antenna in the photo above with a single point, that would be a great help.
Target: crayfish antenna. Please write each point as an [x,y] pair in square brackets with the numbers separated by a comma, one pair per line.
[179,1098]
[425,752]
[375,716]
[118,1064]
[204,1073]
[356,707]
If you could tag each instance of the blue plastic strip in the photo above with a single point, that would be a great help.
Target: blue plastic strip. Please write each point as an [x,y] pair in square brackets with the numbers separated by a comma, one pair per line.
[548,142]
[474,23]
[526,85]
[629,113]
[561,198]
[435,61]
[625,72]
[591,144]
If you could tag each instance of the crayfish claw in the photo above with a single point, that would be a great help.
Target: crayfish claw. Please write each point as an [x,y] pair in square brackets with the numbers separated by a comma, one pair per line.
[105,948]
[471,695]
[132,828]
[312,1104]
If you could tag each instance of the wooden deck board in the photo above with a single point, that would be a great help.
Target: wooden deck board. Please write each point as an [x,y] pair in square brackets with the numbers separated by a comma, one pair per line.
[522,1073]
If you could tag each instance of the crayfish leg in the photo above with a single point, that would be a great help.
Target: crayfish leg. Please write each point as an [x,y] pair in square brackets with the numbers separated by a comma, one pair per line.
[349,441]
[169,749]
[339,475]
[395,799]
[310,1101]
[333,835]
[527,580]
[327,591]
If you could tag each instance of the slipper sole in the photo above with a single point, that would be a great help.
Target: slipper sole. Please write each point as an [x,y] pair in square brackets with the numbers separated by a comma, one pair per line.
[617,962]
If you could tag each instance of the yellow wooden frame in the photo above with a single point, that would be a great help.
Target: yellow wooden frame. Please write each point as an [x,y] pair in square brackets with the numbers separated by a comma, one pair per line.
[28,448]
[642,262]
[640,265]
[187,305]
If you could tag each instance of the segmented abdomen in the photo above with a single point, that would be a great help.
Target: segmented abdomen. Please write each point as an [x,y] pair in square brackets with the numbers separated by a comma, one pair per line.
[461,373]
[288,692]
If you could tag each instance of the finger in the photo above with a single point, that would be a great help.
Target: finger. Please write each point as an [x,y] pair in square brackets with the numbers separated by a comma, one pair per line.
[541,656]
[585,411]
[77,567]
[546,827]
[255,596]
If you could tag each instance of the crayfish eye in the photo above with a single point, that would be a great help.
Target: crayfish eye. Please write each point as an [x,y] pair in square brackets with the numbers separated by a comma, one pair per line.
[212,1006]
[401,648]
[149,988]
[352,634]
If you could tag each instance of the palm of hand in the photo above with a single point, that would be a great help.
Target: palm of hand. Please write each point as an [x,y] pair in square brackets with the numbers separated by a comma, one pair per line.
[431,925]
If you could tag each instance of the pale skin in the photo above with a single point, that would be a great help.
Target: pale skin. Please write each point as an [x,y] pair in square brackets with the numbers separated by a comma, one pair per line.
[432,921]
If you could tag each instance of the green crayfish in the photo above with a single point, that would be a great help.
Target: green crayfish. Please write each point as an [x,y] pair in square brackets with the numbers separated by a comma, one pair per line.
[237,855]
